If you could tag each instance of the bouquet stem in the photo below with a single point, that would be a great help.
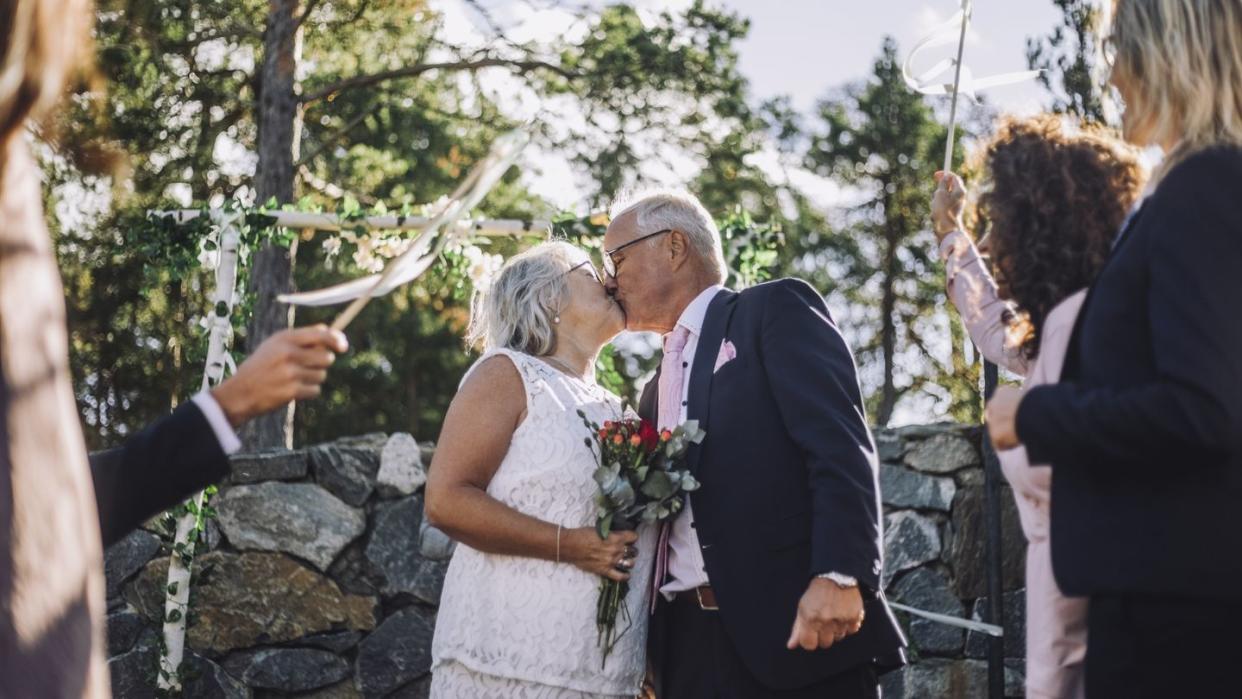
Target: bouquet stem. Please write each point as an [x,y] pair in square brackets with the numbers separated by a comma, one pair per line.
[611,605]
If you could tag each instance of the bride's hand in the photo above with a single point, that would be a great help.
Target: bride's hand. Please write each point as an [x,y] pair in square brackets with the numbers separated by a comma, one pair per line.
[610,558]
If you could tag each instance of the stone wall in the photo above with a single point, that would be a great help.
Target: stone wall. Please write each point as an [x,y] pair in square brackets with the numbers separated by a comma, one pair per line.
[931,483]
[321,578]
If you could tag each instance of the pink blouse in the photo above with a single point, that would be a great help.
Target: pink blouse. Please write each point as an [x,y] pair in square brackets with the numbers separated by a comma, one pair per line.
[1056,625]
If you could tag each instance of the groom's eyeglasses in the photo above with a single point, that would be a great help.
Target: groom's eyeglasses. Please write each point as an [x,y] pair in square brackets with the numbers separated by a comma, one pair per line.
[610,264]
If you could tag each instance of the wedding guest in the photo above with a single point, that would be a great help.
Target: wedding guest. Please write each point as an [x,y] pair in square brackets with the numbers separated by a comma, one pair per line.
[1144,432]
[1047,243]
[187,450]
[51,567]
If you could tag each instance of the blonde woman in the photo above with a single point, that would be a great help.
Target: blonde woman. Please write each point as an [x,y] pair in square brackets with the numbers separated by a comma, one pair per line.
[512,482]
[1144,433]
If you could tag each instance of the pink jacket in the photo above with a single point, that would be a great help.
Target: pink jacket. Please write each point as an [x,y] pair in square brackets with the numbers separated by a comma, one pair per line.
[1056,625]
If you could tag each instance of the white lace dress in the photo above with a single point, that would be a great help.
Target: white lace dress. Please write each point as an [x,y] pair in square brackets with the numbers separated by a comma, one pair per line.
[521,628]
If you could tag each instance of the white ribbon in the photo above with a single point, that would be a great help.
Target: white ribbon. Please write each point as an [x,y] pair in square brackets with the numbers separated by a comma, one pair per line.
[928,82]
[410,264]
[969,624]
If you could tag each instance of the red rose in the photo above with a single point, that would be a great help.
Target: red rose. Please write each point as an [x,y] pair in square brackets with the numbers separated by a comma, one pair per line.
[603,433]
[648,434]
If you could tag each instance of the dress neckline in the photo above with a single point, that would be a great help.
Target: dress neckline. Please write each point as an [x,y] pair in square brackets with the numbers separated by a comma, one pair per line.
[561,372]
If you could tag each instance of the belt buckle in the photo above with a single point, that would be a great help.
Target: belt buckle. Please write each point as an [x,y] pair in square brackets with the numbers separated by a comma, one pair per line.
[698,592]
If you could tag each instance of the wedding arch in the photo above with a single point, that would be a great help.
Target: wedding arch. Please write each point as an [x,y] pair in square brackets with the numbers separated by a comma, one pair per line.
[405,245]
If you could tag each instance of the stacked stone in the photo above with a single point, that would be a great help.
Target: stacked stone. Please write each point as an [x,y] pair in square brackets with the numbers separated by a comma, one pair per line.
[321,580]
[931,484]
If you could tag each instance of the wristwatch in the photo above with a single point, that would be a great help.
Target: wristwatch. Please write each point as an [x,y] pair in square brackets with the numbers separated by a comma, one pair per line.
[839,579]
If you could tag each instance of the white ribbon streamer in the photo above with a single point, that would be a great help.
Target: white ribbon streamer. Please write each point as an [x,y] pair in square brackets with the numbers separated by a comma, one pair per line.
[421,255]
[969,624]
[947,34]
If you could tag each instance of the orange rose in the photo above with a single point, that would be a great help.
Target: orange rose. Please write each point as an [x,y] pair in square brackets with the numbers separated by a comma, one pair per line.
[666,435]
[636,441]
[616,439]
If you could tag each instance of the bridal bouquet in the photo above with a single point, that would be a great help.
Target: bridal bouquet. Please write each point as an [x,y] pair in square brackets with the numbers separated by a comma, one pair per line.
[642,479]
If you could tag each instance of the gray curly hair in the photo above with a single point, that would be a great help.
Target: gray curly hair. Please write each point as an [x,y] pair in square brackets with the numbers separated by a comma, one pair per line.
[517,311]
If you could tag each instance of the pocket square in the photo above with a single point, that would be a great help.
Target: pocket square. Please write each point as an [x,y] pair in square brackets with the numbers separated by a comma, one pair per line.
[727,354]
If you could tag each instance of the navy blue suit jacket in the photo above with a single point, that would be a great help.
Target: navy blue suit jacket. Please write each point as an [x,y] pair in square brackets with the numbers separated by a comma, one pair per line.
[789,478]
[173,458]
[1144,433]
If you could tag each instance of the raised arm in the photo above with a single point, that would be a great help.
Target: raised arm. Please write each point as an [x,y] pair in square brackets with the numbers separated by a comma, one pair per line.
[969,285]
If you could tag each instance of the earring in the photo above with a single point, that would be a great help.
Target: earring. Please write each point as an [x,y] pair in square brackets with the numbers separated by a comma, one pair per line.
[556,320]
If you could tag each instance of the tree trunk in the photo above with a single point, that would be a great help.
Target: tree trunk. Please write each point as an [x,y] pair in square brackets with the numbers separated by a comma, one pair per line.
[280,125]
[888,324]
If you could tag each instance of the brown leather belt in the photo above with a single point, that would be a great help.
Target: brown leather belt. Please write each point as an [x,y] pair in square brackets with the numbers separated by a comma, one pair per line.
[702,597]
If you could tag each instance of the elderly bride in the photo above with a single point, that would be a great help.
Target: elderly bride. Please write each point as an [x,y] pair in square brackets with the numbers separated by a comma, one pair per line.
[511,481]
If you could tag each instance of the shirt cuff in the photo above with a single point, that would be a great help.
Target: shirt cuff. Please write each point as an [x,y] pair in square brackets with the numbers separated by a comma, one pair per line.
[840,579]
[949,244]
[229,442]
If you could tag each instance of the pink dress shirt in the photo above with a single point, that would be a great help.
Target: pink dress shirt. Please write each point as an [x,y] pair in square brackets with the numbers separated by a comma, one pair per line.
[1056,625]
[686,569]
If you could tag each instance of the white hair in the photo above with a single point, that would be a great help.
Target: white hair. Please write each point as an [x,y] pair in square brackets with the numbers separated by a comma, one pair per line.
[518,310]
[679,210]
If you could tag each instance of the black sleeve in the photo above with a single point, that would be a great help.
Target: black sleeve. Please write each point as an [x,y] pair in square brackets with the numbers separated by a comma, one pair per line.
[815,385]
[1190,412]
[173,458]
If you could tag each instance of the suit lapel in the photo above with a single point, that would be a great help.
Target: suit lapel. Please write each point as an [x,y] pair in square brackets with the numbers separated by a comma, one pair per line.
[649,401]
[699,394]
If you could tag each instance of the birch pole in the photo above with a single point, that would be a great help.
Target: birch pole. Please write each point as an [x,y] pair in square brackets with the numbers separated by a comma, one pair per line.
[190,523]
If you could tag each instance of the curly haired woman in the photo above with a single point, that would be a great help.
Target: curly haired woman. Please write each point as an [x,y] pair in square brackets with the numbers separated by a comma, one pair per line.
[1055,200]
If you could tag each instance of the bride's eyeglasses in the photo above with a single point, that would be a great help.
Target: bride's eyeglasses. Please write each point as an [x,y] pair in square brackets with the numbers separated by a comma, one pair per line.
[590,268]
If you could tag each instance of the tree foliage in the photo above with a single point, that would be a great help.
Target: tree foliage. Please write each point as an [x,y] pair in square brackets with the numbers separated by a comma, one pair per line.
[1067,57]
[392,111]
[880,139]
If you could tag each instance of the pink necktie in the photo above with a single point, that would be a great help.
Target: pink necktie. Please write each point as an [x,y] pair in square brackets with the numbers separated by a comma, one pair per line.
[672,375]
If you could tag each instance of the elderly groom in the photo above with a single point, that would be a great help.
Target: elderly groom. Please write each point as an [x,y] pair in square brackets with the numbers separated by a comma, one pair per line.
[770,580]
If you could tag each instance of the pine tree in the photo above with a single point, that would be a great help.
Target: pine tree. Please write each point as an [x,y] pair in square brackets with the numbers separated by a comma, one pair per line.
[1067,57]
[880,139]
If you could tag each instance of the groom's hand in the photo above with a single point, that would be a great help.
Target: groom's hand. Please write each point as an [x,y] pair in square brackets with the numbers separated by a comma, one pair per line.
[827,613]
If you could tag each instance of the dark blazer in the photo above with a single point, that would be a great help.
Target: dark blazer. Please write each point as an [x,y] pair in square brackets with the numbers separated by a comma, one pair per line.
[1145,431]
[789,478]
[173,458]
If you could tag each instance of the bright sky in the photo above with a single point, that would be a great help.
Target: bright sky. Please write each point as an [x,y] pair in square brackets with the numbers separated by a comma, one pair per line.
[799,48]
[802,48]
